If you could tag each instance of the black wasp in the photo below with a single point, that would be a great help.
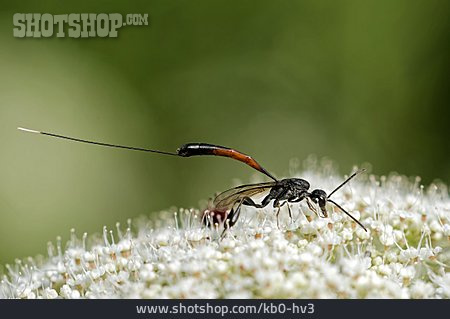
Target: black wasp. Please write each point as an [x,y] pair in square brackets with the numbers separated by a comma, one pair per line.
[228,203]
[284,191]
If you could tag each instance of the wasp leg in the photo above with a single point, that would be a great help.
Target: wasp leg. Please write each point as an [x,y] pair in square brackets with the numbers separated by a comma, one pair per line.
[278,205]
[234,214]
[289,211]
[311,207]
[278,218]
[294,200]
[247,201]
[232,217]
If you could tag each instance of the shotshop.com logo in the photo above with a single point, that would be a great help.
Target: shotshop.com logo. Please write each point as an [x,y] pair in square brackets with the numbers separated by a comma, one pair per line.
[73,25]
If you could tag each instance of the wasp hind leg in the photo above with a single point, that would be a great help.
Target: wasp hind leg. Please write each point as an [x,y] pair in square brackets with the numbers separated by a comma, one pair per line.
[231,218]
[234,214]
[247,201]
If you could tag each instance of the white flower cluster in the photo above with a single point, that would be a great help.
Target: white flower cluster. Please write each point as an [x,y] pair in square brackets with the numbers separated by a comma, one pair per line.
[404,254]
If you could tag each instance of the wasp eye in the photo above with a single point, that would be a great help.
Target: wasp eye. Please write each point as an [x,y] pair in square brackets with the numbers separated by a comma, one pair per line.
[318,193]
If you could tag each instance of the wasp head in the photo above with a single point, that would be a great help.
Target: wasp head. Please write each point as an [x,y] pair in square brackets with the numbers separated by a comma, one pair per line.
[319,197]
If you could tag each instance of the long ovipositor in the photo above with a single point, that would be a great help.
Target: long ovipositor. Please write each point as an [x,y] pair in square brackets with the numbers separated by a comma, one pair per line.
[186,150]
[198,149]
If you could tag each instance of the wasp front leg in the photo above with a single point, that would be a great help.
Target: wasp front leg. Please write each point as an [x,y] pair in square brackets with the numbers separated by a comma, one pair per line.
[313,208]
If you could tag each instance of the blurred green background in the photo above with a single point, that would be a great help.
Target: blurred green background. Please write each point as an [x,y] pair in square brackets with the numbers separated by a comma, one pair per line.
[357,81]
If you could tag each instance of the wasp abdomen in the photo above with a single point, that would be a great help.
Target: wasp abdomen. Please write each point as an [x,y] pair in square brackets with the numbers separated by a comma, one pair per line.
[193,149]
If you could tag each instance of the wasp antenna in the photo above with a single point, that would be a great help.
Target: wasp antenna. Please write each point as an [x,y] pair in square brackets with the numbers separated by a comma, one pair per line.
[74,139]
[348,214]
[346,181]
[28,130]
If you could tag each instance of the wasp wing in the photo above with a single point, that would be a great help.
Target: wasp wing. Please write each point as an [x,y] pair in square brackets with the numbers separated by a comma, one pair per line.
[228,198]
